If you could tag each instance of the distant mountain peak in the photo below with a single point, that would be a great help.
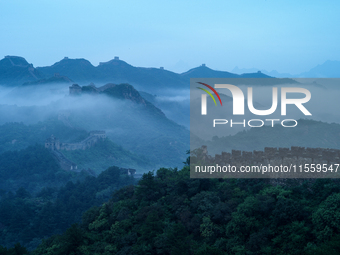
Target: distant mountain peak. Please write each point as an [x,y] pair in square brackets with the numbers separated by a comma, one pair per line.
[202,67]
[116,61]
[15,61]
[257,74]
[121,91]
[203,71]
[329,69]
[15,70]
[73,61]
[78,69]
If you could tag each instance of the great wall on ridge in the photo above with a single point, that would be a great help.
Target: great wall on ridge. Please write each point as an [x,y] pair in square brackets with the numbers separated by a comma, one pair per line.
[54,145]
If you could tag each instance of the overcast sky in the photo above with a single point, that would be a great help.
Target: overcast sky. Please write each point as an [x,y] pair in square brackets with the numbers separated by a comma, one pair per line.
[283,35]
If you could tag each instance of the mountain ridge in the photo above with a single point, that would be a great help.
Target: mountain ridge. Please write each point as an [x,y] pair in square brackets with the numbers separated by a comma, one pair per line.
[115,70]
[15,70]
[328,69]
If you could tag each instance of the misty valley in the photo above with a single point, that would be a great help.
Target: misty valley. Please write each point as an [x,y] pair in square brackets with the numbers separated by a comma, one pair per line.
[95,160]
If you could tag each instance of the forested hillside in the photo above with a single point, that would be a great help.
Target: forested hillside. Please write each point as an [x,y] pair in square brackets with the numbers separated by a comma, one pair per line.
[169,213]
[27,217]
[17,136]
[105,153]
[32,168]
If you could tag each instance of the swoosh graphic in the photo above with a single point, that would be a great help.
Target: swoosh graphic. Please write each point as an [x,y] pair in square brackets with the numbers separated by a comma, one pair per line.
[209,94]
[212,90]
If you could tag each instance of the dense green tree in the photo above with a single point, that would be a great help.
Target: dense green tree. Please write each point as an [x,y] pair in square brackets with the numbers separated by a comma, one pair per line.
[169,213]
[29,218]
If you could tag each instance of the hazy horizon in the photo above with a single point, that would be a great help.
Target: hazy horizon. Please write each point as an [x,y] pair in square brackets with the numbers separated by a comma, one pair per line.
[286,36]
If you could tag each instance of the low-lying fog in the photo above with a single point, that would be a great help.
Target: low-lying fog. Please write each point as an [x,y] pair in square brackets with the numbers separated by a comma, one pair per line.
[30,104]
[137,127]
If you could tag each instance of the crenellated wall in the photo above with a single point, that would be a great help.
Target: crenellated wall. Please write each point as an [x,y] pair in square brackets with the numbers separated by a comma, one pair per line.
[55,146]
[64,163]
[53,143]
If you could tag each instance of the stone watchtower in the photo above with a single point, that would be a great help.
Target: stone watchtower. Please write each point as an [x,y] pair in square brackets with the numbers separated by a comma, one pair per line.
[52,143]
[75,89]
[98,133]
